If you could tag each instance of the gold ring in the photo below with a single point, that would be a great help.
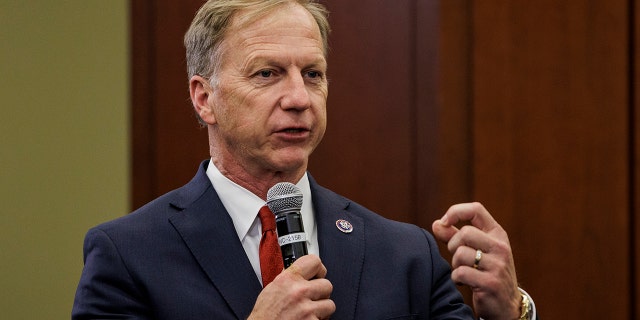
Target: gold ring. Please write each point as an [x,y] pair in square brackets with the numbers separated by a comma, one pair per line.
[476,262]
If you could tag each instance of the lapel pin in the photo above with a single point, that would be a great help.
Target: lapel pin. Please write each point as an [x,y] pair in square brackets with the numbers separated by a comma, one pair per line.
[344,226]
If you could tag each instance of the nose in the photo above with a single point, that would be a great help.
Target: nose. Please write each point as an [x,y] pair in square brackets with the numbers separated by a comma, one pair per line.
[296,94]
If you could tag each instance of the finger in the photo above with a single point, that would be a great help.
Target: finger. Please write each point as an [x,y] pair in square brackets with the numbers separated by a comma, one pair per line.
[324,308]
[472,212]
[320,289]
[308,267]
[442,231]
[470,236]
[465,275]
[466,256]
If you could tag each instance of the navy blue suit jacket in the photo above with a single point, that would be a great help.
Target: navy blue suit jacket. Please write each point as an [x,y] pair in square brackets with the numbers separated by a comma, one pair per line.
[179,257]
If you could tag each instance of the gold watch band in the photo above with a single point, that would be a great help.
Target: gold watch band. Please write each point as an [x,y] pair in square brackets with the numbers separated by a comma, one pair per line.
[525,306]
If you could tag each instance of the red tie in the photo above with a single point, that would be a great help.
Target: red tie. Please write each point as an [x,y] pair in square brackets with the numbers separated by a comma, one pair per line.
[270,255]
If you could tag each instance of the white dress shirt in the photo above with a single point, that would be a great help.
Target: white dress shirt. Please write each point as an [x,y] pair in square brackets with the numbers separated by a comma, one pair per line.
[243,207]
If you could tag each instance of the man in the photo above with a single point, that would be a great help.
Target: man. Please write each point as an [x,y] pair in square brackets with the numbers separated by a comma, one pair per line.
[258,82]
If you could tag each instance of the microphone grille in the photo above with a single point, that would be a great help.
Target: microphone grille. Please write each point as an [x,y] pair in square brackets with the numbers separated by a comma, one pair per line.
[284,196]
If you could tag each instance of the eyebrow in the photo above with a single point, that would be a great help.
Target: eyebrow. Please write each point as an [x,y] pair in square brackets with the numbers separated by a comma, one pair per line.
[263,60]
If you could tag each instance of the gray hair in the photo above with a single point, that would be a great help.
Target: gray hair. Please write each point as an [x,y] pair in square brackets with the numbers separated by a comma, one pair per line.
[207,31]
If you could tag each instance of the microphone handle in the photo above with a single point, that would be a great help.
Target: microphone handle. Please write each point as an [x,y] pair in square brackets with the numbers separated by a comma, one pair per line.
[291,236]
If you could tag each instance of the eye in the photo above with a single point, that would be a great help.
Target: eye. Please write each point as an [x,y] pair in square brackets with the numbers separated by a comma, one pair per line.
[314,74]
[265,73]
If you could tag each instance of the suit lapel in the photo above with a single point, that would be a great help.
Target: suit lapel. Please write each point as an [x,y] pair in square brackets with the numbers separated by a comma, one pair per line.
[342,253]
[207,230]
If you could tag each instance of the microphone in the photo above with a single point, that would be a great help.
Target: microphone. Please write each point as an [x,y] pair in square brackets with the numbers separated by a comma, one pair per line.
[285,201]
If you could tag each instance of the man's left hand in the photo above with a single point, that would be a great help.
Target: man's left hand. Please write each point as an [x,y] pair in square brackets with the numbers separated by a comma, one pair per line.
[482,259]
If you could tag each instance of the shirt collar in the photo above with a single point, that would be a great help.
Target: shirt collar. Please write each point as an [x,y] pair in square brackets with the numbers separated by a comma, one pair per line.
[243,206]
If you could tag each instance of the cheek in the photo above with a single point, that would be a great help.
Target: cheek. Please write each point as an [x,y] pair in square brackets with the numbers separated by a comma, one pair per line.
[230,106]
[322,119]
[321,111]
[321,124]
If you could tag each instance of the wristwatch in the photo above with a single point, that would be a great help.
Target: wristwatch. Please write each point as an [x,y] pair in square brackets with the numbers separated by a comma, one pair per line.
[527,307]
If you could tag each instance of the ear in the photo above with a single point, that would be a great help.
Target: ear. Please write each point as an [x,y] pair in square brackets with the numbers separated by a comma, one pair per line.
[201,92]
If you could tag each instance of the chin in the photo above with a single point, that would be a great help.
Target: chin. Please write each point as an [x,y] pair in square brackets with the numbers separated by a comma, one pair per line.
[290,164]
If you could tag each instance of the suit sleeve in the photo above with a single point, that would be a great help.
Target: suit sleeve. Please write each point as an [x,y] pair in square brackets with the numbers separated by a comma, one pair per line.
[106,289]
[446,300]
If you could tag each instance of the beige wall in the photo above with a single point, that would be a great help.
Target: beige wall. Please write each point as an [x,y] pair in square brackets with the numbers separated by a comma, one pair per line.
[63,144]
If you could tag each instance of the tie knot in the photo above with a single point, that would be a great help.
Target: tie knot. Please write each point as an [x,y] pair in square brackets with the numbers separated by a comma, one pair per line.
[267,218]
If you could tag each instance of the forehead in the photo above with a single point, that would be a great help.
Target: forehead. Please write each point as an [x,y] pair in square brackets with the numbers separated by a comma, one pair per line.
[285,25]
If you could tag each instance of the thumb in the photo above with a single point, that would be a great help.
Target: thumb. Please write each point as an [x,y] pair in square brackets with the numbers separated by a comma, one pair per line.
[443,232]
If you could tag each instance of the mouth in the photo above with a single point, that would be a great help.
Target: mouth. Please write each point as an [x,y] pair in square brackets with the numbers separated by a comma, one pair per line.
[293,134]
[294,130]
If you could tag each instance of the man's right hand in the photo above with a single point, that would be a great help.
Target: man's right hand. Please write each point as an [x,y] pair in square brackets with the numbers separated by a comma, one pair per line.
[299,292]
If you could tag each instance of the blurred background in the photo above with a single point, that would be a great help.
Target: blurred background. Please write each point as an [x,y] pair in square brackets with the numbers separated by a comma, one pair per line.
[64,150]
[529,107]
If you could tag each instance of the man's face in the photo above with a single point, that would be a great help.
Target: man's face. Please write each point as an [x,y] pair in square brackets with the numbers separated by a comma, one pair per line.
[270,99]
